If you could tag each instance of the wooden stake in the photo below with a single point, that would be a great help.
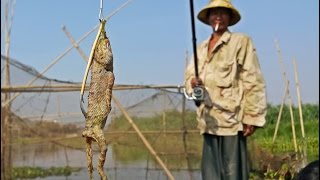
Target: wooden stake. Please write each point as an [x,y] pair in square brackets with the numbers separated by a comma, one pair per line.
[289,98]
[292,124]
[279,116]
[304,146]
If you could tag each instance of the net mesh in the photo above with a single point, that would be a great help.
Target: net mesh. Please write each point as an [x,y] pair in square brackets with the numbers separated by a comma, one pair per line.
[49,110]
[63,107]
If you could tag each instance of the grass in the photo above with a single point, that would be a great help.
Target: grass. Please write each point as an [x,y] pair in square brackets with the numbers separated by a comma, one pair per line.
[284,140]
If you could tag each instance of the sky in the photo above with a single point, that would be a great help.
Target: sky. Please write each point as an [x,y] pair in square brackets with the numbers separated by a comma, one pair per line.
[150,38]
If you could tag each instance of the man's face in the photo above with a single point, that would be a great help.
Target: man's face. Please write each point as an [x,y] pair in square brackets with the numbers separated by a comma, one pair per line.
[219,16]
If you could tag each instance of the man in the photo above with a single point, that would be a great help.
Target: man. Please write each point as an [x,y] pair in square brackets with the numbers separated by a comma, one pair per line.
[235,100]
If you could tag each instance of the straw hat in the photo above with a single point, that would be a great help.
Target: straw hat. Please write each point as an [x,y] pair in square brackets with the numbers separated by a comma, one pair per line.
[202,16]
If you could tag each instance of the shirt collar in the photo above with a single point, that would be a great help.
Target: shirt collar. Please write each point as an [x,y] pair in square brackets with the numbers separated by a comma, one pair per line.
[224,38]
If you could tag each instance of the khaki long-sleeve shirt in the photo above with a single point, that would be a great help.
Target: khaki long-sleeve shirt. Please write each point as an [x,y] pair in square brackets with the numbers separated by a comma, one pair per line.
[233,80]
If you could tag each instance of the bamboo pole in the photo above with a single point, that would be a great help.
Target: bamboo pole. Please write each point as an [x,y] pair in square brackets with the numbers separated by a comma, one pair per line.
[75,44]
[292,126]
[58,107]
[164,134]
[6,124]
[194,131]
[144,140]
[56,139]
[279,116]
[59,115]
[289,98]
[77,87]
[304,146]
[169,132]
[53,115]
[164,128]
[184,135]
[4,24]
[147,168]
[65,53]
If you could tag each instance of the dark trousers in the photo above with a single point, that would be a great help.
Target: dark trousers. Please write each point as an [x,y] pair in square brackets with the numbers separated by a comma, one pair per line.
[224,158]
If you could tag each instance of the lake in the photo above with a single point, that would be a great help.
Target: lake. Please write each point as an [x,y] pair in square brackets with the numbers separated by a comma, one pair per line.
[50,155]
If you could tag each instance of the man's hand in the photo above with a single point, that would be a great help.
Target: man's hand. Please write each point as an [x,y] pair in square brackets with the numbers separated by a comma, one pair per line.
[196,82]
[248,130]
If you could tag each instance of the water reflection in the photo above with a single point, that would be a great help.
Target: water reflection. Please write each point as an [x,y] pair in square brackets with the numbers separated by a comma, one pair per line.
[122,162]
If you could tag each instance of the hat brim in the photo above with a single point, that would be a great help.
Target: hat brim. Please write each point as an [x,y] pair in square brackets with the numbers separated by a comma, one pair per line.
[235,18]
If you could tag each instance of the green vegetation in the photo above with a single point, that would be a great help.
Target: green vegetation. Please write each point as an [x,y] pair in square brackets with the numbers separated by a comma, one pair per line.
[284,140]
[310,113]
[34,172]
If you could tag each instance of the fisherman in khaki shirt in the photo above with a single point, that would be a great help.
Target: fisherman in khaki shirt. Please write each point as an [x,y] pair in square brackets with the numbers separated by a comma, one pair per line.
[235,103]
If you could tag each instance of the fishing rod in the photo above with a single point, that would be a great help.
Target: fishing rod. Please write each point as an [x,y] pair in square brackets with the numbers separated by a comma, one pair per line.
[194,40]
[198,91]
[101,29]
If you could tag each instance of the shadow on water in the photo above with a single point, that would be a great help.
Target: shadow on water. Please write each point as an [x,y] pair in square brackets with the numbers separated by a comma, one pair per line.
[122,162]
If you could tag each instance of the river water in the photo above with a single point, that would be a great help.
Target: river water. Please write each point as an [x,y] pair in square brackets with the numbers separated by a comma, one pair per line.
[51,155]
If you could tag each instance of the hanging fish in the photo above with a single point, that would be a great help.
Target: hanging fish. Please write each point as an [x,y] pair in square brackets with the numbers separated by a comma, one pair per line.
[99,99]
